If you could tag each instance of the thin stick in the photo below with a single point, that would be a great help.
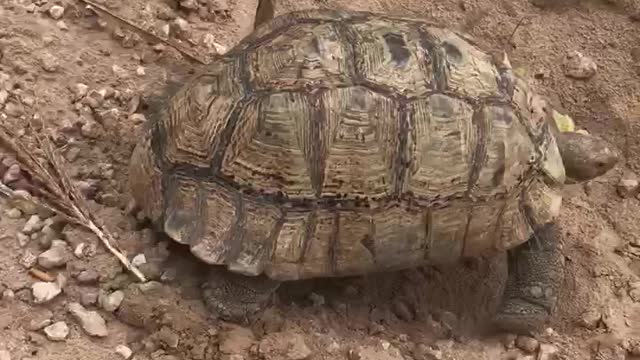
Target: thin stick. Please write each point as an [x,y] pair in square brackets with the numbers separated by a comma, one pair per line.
[516,29]
[61,195]
[149,35]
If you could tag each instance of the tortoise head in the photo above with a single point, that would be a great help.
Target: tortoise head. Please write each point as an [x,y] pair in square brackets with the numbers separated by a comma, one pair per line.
[585,156]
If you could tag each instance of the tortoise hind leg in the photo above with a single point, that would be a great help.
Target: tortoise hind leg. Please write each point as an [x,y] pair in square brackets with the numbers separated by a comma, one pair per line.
[235,297]
[535,276]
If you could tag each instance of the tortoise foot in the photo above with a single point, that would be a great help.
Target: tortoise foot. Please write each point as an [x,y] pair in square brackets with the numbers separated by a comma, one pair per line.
[234,297]
[521,317]
[533,285]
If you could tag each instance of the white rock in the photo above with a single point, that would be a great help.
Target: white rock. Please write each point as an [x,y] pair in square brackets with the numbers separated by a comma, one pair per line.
[547,352]
[579,66]
[28,260]
[181,28]
[13,213]
[45,291]
[112,301]
[5,355]
[34,224]
[139,260]
[62,25]
[78,252]
[14,173]
[628,187]
[140,71]
[49,62]
[90,321]
[57,331]
[8,294]
[57,255]
[56,12]
[4,96]
[40,320]
[23,239]
[80,90]
[124,351]
[118,71]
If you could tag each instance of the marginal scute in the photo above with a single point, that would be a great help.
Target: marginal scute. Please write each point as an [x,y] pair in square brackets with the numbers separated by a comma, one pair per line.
[254,238]
[318,257]
[552,164]
[145,179]
[482,228]
[446,233]
[351,252]
[513,228]
[184,209]
[543,201]
[400,237]
[215,245]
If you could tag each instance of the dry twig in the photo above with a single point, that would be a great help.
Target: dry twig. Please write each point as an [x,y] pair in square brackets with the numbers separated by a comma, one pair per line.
[99,10]
[58,191]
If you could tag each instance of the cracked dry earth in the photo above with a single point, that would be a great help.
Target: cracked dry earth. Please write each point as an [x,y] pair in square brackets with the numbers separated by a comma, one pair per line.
[90,83]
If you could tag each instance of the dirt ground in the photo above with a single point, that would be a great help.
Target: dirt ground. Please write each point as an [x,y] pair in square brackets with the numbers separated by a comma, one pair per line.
[90,83]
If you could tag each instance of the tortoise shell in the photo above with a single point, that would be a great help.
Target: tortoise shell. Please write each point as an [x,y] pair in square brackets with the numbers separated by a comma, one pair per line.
[335,143]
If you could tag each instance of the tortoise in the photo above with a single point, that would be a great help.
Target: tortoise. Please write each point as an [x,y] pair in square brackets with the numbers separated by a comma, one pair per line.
[332,143]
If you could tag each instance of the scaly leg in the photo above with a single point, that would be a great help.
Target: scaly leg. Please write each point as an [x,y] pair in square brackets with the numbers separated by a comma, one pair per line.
[532,289]
[235,297]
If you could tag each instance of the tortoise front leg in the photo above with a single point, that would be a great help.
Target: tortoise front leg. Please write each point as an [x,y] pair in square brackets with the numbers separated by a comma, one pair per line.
[532,289]
[234,297]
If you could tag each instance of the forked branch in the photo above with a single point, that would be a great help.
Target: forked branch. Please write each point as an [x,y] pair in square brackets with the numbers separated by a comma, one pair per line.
[58,191]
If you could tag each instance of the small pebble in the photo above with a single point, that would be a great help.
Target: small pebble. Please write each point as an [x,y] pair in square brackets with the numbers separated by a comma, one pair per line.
[28,260]
[45,291]
[57,331]
[139,260]
[118,71]
[579,66]
[13,174]
[90,321]
[62,25]
[140,71]
[168,337]
[23,239]
[547,352]
[112,301]
[628,187]
[4,96]
[49,63]
[40,320]
[181,28]
[527,344]
[80,90]
[56,12]
[124,351]
[88,276]
[77,252]
[34,224]
[56,256]
[590,319]
[13,213]
[89,298]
